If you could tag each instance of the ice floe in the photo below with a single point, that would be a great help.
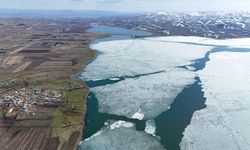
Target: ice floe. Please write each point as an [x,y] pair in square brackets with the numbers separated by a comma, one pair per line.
[150,127]
[225,123]
[138,115]
[121,138]
[120,123]
[148,95]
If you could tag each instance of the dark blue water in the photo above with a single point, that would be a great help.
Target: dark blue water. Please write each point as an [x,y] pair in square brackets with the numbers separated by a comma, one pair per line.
[116,33]
[103,82]
[170,124]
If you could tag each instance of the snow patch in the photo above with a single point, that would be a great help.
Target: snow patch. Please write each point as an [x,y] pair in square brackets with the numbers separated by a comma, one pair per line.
[161,13]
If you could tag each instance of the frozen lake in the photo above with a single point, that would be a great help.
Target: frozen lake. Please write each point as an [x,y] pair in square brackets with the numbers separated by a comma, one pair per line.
[151,83]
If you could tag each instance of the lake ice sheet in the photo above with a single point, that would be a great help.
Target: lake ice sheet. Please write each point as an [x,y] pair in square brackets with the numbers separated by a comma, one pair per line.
[222,125]
[139,56]
[147,95]
[225,123]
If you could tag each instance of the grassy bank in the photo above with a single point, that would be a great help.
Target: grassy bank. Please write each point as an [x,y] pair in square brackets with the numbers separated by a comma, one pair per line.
[68,119]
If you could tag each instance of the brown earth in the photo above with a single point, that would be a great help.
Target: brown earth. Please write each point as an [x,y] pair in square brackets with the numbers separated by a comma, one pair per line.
[44,53]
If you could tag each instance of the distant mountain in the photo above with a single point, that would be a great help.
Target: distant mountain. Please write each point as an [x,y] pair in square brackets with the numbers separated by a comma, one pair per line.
[19,13]
[206,24]
[161,13]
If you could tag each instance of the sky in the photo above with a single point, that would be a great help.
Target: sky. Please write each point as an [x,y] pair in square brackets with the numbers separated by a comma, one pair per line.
[130,5]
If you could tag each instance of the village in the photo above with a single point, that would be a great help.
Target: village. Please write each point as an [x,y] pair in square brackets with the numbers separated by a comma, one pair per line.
[23,100]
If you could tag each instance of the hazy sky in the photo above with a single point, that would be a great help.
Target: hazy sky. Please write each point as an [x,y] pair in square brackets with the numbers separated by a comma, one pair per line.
[131,5]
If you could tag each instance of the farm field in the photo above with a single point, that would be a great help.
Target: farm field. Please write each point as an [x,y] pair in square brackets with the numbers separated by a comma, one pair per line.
[38,59]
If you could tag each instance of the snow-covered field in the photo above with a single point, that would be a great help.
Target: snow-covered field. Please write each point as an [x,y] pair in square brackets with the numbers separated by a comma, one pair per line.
[147,95]
[225,123]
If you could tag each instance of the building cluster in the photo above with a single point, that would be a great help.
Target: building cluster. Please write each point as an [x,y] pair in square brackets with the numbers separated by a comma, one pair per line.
[23,99]
[11,82]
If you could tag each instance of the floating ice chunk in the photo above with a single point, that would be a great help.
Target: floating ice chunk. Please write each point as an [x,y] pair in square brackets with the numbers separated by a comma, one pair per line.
[121,138]
[106,123]
[138,116]
[150,127]
[224,123]
[119,124]
[151,94]
[114,79]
